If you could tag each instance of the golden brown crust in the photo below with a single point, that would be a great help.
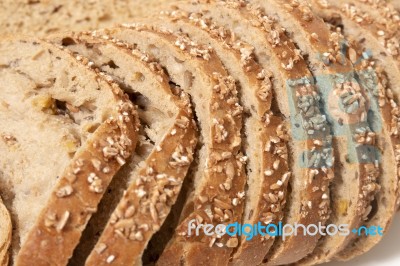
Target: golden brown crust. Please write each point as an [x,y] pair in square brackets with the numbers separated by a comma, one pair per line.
[76,196]
[268,204]
[259,78]
[380,19]
[374,80]
[131,225]
[124,241]
[327,45]
[383,22]
[213,200]
[146,203]
[272,195]
[6,259]
[272,199]
[293,68]
[377,83]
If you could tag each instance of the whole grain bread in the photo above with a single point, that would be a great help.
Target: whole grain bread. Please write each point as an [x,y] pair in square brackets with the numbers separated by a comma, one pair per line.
[292,81]
[299,83]
[263,127]
[42,17]
[330,71]
[356,22]
[160,174]
[5,235]
[50,99]
[199,72]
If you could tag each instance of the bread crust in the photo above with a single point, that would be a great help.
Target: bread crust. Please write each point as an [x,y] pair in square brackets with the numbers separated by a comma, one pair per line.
[216,192]
[387,197]
[355,17]
[6,231]
[64,216]
[311,35]
[148,200]
[221,197]
[265,204]
[293,69]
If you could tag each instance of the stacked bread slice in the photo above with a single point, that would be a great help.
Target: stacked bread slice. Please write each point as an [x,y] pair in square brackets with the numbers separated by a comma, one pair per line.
[65,133]
[248,113]
[358,21]
[166,111]
[6,230]
[265,131]
[219,113]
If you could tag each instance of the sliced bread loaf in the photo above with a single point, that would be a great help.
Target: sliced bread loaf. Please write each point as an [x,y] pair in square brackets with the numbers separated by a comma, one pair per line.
[66,131]
[372,67]
[374,79]
[263,127]
[309,130]
[156,182]
[334,76]
[199,72]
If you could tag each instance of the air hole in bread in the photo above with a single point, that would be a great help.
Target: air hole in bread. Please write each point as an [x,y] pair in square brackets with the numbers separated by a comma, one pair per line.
[335,21]
[374,209]
[33,2]
[61,107]
[112,64]
[49,83]
[141,101]
[67,41]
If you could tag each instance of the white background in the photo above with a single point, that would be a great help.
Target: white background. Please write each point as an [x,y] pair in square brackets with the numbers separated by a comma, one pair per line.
[386,253]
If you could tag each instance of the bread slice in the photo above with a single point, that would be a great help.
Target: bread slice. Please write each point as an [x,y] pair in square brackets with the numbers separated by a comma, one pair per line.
[5,236]
[263,126]
[293,83]
[313,38]
[58,157]
[372,71]
[363,24]
[259,202]
[374,79]
[42,17]
[198,71]
[160,174]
